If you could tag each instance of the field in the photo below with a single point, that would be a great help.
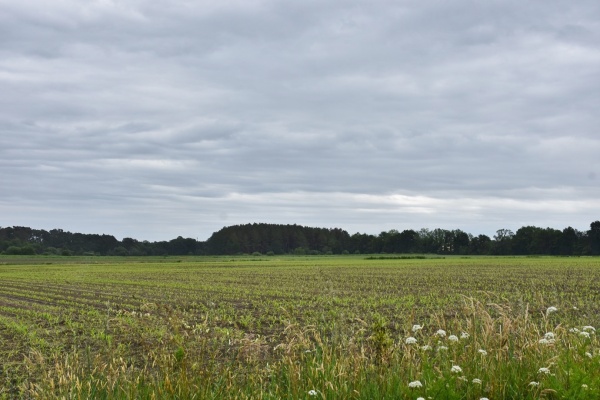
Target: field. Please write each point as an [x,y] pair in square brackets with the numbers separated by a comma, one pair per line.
[338,327]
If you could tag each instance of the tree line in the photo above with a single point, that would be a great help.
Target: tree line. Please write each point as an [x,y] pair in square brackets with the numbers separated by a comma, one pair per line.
[28,241]
[271,239]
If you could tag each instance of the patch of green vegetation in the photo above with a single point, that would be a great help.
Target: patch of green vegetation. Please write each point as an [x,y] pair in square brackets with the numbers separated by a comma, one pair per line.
[299,327]
[419,257]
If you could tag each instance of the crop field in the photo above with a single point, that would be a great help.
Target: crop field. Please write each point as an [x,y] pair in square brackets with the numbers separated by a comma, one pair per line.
[335,327]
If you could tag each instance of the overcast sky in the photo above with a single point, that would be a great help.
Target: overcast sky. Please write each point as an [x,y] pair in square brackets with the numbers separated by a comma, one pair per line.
[156,119]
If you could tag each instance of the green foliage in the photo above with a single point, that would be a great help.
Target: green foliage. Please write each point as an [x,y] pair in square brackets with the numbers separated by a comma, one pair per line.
[24,251]
[179,354]
[299,251]
[300,240]
[120,251]
[381,339]
[289,239]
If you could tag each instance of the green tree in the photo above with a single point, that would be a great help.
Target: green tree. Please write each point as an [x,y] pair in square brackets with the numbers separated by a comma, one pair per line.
[480,245]
[460,242]
[408,241]
[503,241]
[569,241]
[594,238]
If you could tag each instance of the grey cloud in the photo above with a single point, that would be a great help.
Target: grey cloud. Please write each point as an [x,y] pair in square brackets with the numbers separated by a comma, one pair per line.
[128,115]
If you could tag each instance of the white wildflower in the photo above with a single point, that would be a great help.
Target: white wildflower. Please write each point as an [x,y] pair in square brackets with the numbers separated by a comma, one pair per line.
[584,334]
[312,392]
[477,381]
[574,330]
[410,340]
[453,338]
[484,398]
[534,384]
[441,333]
[589,328]
[415,384]
[482,352]
[549,335]
[417,328]
[464,335]
[551,309]
[544,371]
[442,348]
[585,387]
[456,369]
[588,354]
[426,347]
[420,398]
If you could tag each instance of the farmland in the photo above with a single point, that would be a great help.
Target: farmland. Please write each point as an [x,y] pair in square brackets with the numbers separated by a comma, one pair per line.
[299,327]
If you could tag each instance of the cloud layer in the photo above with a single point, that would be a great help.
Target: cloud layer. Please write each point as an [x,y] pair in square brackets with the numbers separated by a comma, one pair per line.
[154,119]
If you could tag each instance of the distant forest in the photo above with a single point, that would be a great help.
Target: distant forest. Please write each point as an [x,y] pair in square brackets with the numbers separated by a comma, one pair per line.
[271,239]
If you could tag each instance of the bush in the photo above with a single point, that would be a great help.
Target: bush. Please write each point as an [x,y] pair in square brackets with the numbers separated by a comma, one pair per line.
[23,251]
[299,251]
[120,251]
[13,250]
[51,251]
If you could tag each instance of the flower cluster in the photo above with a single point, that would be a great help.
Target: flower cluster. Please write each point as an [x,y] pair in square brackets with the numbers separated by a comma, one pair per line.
[548,339]
[589,328]
[551,310]
[415,384]
[410,340]
[544,371]
[584,332]
[456,369]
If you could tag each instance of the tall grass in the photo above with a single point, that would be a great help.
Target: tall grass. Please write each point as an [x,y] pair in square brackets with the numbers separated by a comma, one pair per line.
[484,349]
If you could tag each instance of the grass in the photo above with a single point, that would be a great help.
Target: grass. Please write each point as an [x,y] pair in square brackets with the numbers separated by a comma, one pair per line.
[299,327]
